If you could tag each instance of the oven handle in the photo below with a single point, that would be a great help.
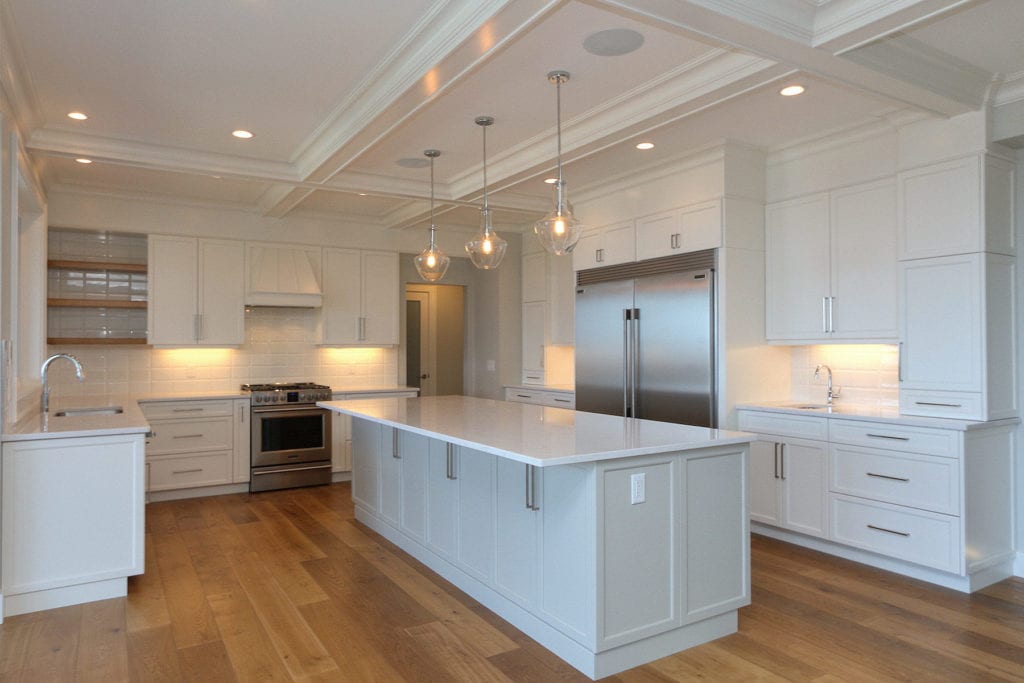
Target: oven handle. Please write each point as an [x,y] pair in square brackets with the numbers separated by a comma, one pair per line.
[257,473]
[293,409]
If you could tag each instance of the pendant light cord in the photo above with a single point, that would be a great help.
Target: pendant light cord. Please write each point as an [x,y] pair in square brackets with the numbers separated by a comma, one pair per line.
[432,228]
[485,168]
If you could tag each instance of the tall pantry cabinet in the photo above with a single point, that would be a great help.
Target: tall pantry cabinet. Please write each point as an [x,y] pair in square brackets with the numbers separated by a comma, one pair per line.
[957,284]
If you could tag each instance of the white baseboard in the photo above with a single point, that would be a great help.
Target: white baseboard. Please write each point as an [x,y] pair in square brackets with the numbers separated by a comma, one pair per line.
[62,597]
[199,492]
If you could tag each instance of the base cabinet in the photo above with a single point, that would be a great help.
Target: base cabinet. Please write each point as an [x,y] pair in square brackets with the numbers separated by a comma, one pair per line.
[73,520]
[555,549]
[341,427]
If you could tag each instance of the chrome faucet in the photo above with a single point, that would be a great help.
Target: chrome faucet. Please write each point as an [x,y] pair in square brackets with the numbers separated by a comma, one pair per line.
[46,367]
[831,393]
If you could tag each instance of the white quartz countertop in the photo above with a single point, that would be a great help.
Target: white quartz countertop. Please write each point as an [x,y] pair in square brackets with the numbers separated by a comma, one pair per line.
[563,388]
[370,390]
[848,411]
[532,434]
[38,426]
[193,396]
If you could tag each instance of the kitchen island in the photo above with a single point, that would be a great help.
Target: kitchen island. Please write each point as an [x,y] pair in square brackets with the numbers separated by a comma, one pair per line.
[611,541]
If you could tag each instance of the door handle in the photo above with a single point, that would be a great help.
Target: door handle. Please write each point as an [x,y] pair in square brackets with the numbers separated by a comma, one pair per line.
[782,461]
[425,376]
[899,362]
[394,445]
[626,314]
[831,322]
[635,355]
[824,314]
[775,471]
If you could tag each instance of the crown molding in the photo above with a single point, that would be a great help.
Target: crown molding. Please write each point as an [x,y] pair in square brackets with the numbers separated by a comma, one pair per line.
[841,136]
[791,19]
[85,190]
[858,22]
[1011,90]
[15,79]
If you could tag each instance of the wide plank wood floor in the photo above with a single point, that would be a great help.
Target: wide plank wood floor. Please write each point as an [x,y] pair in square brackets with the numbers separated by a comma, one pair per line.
[287,586]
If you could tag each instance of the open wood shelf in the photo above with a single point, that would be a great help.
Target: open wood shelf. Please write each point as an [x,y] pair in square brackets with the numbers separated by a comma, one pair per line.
[96,303]
[96,340]
[97,265]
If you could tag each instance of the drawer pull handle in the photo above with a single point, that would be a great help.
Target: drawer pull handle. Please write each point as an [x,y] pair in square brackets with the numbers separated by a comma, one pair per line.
[523,396]
[888,531]
[886,436]
[940,405]
[561,400]
[187,410]
[886,476]
[187,436]
[198,469]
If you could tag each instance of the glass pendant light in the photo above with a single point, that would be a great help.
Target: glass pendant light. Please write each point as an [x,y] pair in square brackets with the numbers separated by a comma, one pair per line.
[432,263]
[559,231]
[486,249]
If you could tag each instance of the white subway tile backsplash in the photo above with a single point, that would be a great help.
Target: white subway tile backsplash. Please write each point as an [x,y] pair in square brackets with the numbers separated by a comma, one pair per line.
[866,373]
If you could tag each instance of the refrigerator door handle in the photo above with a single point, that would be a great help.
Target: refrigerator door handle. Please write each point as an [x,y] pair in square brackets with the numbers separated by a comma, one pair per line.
[626,356]
[634,380]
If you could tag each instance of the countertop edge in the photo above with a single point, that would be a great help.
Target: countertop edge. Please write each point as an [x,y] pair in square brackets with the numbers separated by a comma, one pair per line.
[849,413]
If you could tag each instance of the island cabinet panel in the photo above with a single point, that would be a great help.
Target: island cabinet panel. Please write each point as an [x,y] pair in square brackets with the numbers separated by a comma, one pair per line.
[366,447]
[716,555]
[517,531]
[414,450]
[442,498]
[390,476]
[475,526]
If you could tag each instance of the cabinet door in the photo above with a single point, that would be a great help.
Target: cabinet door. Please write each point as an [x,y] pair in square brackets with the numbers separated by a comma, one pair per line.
[380,297]
[534,315]
[221,292]
[700,226]
[764,482]
[173,290]
[658,235]
[797,268]
[864,278]
[475,526]
[342,297]
[390,476]
[341,443]
[366,456]
[442,498]
[941,305]
[534,276]
[619,244]
[561,300]
[414,450]
[804,474]
[588,250]
[940,209]
[516,533]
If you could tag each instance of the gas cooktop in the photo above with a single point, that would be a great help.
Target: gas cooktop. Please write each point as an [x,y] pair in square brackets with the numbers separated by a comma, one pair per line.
[287,392]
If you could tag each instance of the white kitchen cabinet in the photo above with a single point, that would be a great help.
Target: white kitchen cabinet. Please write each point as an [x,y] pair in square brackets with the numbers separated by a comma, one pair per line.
[196,443]
[73,520]
[475,511]
[415,451]
[831,266]
[360,297]
[605,246]
[549,298]
[957,352]
[691,228]
[366,456]
[554,398]
[196,291]
[517,531]
[341,426]
[442,512]
[534,317]
[955,207]
[390,469]
[535,277]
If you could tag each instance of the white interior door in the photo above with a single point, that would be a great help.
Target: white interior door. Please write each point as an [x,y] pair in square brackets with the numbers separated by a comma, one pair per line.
[421,354]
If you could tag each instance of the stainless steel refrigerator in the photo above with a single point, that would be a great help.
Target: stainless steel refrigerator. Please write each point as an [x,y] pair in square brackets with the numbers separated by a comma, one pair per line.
[645,346]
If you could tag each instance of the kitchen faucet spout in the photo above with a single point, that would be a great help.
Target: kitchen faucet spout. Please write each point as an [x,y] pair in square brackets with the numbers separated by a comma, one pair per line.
[79,372]
[830,392]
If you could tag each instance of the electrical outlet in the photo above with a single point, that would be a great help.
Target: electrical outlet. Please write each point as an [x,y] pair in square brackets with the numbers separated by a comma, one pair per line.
[637,488]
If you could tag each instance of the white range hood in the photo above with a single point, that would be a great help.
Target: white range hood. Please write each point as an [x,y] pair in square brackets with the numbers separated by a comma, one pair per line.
[282,276]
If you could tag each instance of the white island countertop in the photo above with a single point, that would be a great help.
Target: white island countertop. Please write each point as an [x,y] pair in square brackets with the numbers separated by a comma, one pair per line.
[39,426]
[532,434]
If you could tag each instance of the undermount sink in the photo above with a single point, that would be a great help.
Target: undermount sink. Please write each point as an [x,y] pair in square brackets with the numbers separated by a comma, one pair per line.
[84,412]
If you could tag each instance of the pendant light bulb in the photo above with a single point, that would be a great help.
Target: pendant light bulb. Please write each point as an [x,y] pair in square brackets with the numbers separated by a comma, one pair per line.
[559,231]
[487,248]
[432,263]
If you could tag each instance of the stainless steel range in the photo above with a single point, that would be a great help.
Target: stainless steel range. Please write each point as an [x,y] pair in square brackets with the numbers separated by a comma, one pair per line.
[291,437]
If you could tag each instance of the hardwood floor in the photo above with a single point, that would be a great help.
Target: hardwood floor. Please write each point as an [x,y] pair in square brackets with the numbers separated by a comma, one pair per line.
[287,586]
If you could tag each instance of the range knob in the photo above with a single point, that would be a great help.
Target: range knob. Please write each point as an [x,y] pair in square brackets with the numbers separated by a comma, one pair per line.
[259,399]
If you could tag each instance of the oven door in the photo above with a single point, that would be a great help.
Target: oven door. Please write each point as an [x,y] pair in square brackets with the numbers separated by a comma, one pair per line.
[285,435]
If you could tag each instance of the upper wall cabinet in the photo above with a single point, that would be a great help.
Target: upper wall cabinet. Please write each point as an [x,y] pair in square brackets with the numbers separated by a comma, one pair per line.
[692,228]
[360,297]
[831,266]
[196,291]
[957,207]
[605,246]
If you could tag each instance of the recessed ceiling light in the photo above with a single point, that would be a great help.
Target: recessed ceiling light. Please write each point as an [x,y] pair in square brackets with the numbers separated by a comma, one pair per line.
[362,194]
[645,145]
[614,42]
[77,116]
[242,134]
[551,181]
[791,90]
[83,160]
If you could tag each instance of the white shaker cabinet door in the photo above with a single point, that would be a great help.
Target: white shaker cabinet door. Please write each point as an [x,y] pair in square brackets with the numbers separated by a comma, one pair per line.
[380,297]
[797,268]
[390,476]
[366,455]
[764,482]
[804,476]
[517,529]
[342,296]
[221,292]
[414,453]
[442,498]
[864,276]
[476,512]
[173,289]
[534,316]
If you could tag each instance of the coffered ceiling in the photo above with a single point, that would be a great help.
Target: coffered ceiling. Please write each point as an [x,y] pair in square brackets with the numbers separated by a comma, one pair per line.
[344,96]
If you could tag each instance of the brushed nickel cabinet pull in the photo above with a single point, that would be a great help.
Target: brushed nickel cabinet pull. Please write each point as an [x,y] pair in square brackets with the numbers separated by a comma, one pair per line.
[187,436]
[523,396]
[775,471]
[886,436]
[187,410]
[899,362]
[940,405]
[394,445]
[198,469]
[782,461]
[888,531]
[824,314]
[529,503]
[562,400]
[886,476]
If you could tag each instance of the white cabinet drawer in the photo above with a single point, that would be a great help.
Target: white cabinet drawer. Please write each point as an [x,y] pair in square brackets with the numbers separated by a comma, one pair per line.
[522,396]
[895,437]
[798,426]
[554,399]
[916,536]
[168,409]
[176,472]
[188,436]
[559,400]
[960,405]
[918,481]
